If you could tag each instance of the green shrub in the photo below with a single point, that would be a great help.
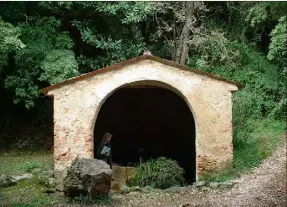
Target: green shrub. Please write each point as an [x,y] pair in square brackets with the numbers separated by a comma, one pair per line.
[29,166]
[158,173]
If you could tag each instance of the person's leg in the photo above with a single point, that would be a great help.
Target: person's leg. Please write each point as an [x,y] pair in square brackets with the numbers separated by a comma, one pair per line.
[110,162]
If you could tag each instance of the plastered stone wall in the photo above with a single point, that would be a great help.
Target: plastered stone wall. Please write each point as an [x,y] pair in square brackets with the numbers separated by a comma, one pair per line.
[77,104]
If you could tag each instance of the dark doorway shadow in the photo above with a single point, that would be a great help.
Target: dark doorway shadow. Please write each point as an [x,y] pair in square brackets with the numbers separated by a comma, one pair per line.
[148,122]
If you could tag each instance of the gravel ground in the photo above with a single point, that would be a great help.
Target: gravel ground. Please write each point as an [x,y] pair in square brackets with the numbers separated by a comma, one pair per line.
[264,186]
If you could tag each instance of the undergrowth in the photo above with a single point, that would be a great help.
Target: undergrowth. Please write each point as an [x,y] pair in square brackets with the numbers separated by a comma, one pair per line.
[29,193]
[19,162]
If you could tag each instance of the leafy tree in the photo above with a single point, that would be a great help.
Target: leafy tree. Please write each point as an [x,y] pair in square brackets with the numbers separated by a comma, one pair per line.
[41,37]
[59,65]
[9,42]
[278,46]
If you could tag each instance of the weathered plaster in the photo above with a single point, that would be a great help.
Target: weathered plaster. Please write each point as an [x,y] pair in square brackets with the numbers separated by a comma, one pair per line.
[77,104]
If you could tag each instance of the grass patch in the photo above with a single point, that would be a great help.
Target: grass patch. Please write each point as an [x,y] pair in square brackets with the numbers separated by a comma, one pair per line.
[30,192]
[19,162]
[252,150]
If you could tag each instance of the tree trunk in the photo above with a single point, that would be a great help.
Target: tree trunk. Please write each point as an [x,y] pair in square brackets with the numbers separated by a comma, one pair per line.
[178,48]
[186,34]
[182,46]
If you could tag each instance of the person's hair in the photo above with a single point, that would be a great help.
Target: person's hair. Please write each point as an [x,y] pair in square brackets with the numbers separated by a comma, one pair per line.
[106,135]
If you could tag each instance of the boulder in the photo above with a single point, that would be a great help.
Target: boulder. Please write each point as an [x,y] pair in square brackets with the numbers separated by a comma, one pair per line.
[88,177]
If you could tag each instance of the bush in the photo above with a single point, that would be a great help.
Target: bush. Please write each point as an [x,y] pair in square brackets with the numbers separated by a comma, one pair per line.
[158,173]
[29,166]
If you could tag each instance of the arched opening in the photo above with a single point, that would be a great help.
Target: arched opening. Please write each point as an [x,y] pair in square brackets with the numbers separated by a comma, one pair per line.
[148,121]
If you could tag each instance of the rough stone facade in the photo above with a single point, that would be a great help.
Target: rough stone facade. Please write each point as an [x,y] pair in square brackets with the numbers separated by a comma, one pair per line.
[77,103]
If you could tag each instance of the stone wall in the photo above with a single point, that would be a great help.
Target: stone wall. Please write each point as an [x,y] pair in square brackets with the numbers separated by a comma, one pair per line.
[77,104]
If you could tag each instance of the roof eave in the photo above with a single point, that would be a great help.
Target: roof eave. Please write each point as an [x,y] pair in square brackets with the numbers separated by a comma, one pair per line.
[133,60]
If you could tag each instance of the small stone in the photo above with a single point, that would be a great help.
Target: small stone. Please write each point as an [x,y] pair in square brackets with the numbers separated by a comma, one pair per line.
[200,183]
[234,182]
[174,189]
[5,181]
[21,177]
[125,189]
[136,188]
[52,182]
[147,189]
[226,184]
[205,189]
[190,187]
[214,184]
[48,173]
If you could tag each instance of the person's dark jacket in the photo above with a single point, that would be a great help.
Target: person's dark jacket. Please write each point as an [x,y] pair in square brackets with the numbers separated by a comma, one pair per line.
[107,159]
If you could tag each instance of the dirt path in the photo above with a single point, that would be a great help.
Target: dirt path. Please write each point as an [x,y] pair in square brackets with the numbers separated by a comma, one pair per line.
[265,186]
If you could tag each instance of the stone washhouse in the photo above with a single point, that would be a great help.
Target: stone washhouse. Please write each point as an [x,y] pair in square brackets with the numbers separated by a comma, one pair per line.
[153,107]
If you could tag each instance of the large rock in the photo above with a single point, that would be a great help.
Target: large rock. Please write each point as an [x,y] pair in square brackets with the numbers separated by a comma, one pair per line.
[88,176]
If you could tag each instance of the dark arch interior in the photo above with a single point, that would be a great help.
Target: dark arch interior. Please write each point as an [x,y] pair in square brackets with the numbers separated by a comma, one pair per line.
[148,122]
